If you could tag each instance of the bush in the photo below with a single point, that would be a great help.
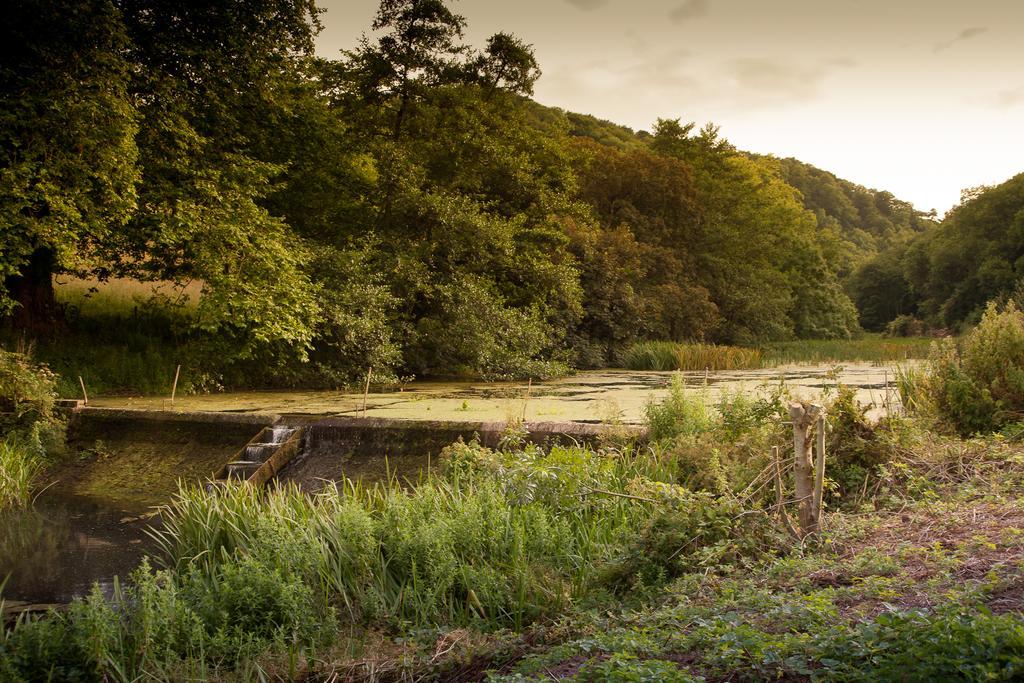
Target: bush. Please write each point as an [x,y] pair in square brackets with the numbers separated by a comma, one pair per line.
[27,398]
[905,326]
[701,531]
[978,385]
[681,412]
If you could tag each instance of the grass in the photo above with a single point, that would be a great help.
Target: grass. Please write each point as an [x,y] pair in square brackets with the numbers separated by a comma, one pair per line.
[662,562]
[872,348]
[689,357]
[665,356]
[119,297]
[19,468]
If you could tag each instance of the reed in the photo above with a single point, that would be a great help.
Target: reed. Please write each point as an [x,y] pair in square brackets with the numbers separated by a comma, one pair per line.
[18,470]
[666,356]
[872,348]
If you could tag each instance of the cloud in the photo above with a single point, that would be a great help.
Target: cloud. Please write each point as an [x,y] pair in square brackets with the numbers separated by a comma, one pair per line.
[691,9]
[777,80]
[587,5]
[1006,99]
[966,34]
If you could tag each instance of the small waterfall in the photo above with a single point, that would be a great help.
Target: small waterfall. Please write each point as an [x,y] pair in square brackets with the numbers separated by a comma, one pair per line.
[259,452]
[280,434]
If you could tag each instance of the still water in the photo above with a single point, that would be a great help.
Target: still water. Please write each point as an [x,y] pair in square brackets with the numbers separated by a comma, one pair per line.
[605,395]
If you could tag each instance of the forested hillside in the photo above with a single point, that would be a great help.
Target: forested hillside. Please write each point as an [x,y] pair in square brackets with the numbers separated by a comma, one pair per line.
[404,207]
[947,275]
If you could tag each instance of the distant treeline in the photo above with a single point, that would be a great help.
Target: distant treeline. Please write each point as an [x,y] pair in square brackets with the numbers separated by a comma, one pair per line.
[407,207]
[946,275]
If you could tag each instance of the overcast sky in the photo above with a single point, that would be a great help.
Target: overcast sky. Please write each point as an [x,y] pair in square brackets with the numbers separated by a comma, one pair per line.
[918,97]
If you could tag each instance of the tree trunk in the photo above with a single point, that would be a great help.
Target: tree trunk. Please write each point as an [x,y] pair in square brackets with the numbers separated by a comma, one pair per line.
[35,308]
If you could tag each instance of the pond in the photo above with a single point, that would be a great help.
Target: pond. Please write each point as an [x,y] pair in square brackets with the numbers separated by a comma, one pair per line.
[91,525]
[60,547]
[594,396]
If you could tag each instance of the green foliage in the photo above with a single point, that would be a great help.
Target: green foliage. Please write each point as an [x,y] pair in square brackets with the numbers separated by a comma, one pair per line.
[626,668]
[976,385]
[699,532]
[69,174]
[19,467]
[682,412]
[950,645]
[30,430]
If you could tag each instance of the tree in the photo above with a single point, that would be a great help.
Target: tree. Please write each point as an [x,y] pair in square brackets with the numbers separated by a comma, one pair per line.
[67,140]
[417,51]
[507,63]
[209,76]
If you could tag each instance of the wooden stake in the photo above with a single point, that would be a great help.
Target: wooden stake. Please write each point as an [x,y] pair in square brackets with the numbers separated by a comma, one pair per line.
[174,387]
[819,473]
[779,496]
[366,391]
[84,394]
[529,385]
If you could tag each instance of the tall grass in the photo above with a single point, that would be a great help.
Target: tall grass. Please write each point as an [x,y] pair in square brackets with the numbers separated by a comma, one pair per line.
[19,468]
[459,549]
[121,297]
[873,348]
[664,356]
[676,356]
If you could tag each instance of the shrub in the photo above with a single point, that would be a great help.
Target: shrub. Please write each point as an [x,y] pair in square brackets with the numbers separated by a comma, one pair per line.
[978,385]
[701,531]
[27,397]
[905,326]
[681,412]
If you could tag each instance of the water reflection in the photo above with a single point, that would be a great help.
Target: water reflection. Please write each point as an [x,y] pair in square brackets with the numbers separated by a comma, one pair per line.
[56,550]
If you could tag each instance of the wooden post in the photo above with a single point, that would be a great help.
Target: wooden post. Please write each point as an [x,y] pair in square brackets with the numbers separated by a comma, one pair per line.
[366,391]
[803,416]
[819,474]
[526,400]
[84,394]
[174,387]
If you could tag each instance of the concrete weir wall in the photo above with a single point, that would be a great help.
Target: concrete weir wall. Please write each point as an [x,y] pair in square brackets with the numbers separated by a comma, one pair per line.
[375,449]
[194,445]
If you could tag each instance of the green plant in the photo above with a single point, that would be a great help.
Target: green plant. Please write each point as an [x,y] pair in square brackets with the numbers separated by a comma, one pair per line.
[915,646]
[680,412]
[978,384]
[19,468]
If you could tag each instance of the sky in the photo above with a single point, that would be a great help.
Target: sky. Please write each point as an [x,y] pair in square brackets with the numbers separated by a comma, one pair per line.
[922,98]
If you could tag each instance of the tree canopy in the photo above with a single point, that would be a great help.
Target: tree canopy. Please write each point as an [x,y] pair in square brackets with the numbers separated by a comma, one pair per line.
[406,206]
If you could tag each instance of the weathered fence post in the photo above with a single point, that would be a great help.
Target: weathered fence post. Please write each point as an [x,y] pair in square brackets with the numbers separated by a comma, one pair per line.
[804,415]
[366,390]
[174,387]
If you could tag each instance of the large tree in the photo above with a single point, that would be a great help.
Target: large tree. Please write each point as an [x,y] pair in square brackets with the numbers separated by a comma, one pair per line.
[68,156]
